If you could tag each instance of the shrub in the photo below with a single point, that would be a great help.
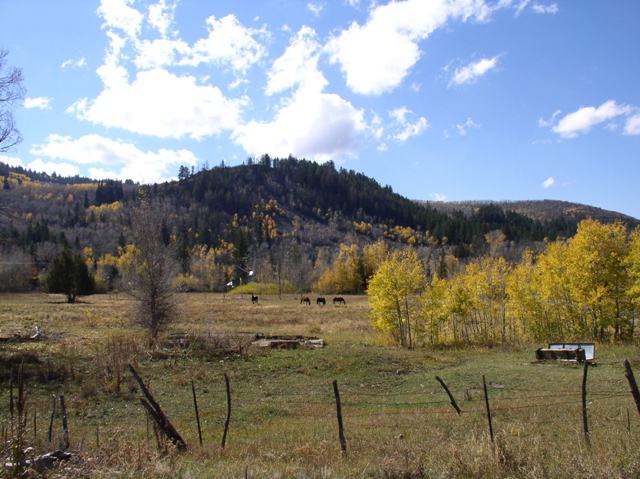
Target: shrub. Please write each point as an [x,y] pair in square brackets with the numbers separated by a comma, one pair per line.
[69,275]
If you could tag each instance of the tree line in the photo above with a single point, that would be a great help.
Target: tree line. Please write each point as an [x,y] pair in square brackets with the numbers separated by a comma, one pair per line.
[583,288]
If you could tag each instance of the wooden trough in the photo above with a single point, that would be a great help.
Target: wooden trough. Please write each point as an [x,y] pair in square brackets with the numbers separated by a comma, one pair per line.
[567,352]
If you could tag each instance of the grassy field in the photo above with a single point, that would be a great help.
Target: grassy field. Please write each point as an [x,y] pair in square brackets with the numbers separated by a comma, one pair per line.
[398,422]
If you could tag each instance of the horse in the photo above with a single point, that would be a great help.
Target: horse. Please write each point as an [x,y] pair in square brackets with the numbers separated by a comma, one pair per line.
[321,301]
[339,300]
[305,300]
[254,299]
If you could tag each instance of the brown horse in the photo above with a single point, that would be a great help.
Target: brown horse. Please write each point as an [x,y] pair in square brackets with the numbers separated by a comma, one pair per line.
[305,300]
[321,301]
[339,300]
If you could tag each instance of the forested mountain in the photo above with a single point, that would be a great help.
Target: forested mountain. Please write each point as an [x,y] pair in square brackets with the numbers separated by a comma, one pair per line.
[275,216]
[537,209]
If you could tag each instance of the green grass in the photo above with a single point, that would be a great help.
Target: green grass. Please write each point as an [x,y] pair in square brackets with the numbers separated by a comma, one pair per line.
[397,418]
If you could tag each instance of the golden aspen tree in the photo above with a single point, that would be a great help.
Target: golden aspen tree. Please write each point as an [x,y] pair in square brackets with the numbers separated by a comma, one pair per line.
[596,256]
[394,296]
[434,312]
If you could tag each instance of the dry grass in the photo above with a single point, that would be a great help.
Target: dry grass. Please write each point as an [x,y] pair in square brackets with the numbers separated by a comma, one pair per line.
[398,421]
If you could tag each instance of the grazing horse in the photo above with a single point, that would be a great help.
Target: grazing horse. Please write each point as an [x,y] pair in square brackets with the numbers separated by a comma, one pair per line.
[254,299]
[339,300]
[321,301]
[305,300]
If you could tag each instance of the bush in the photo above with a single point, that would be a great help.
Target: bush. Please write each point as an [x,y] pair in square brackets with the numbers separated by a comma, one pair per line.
[69,275]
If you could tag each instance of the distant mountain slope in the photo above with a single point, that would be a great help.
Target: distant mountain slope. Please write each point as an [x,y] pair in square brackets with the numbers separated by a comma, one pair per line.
[263,205]
[541,210]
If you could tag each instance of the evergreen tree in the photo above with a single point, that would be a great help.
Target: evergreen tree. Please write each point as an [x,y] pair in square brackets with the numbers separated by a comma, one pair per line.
[69,275]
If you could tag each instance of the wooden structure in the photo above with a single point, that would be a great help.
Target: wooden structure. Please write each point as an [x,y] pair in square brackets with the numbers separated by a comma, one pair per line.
[569,352]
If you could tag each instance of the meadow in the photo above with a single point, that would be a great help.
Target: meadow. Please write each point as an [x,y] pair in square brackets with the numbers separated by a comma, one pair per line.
[398,420]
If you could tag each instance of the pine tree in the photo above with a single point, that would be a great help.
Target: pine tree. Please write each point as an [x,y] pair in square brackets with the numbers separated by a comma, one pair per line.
[69,275]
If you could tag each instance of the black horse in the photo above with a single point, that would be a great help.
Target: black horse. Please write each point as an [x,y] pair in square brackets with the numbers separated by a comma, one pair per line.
[339,300]
[254,299]
[321,301]
[305,300]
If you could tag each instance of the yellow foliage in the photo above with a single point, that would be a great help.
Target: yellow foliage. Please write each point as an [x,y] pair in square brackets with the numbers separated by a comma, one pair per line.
[394,296]
[104,211]
[345,275]
[362,227]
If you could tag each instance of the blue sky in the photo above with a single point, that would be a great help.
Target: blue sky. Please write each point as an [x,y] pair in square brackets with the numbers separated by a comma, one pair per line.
[441,99]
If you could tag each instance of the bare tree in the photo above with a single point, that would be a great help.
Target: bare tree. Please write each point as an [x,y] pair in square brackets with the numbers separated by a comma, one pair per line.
[150,271]
[11,90]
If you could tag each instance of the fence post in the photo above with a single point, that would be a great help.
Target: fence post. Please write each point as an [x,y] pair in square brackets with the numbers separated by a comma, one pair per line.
[628,372]
[65,427]
[343,441]
[486,400]
[195,405]
[53,413]
[585,420]
[228,418]
[446,389]
[155,411]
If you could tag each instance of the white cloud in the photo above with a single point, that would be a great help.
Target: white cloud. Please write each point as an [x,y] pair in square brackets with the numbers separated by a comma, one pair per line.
[11,160]
[315,8]
[548,183]
[74,63]
[159,103]
[377,56]
[632,126]
[543,123]
[376,127]
[115,158]
[412,129]
[40,102]
[161,16]
[406,129]
[521,6]
[552,8]
[474,70]
[228,44]
[160,52]
[50,167]
[583,119]
[314,125]
[119,15]
[298,65]
[468,124]
[438,197]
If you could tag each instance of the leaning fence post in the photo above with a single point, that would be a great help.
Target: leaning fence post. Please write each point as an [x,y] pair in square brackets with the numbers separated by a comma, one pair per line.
[65,427]
[446,389]
[53,413]
[343,441]
[486,400]
[195,405]
[156,412]
[228,418]
[585,419]
[628,372]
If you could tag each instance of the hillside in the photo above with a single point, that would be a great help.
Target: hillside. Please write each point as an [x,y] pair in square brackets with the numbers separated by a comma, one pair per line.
[279,217]
[541,210]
